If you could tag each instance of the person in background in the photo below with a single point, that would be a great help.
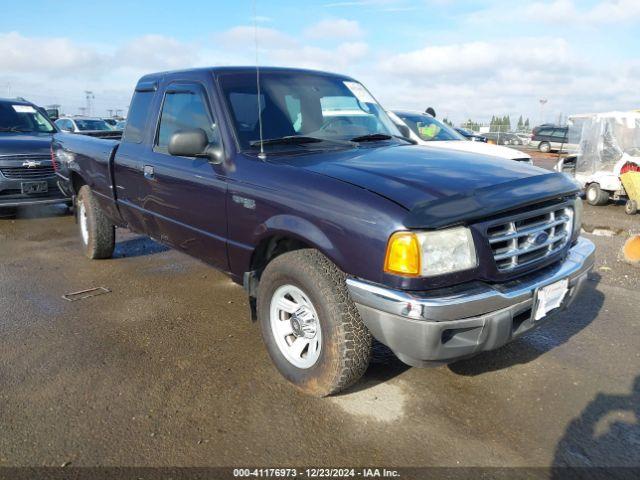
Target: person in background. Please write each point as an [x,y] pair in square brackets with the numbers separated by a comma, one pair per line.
[431,112]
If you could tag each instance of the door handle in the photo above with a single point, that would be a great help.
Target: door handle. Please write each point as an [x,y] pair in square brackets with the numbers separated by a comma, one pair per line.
[148,172]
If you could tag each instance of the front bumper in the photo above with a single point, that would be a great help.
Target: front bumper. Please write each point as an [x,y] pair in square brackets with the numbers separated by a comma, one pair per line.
[11,196]
[441,326]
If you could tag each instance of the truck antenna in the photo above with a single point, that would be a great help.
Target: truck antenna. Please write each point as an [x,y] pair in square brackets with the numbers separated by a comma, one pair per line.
[261,155]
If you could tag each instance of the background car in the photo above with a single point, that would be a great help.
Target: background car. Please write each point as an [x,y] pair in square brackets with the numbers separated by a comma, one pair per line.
[112,122]
[94,127]
[550,138]
[426,130]
[82,124]
[469,135]
[27,174]
[503,138]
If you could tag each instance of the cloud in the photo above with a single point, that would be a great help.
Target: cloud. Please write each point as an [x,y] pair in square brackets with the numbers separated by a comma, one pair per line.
[335,29]
[25,54]
[155,52]
[364,3]
[279,49]
[243,37]
[480,58]
[560,12]
[478,79]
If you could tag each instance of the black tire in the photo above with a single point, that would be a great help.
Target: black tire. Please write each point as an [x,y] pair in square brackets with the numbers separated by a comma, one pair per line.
[596,196]
[544,147]
[631,207]
[101,233]
[345,342]
[8,212]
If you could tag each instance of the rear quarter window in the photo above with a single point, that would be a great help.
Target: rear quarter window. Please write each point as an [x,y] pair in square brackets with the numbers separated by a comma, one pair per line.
[137,117]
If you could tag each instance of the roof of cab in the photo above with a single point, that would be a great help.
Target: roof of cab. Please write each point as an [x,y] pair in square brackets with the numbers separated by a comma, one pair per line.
[239,69]
[15,101]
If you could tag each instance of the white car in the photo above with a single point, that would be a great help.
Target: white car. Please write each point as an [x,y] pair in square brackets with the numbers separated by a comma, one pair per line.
[427,130]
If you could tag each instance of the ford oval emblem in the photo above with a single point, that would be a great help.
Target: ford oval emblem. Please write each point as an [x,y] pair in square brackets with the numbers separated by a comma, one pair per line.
[540,238]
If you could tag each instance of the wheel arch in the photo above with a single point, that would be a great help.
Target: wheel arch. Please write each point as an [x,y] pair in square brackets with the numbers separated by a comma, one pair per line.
[281,234]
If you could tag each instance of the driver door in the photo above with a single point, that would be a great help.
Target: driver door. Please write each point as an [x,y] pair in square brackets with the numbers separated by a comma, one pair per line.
[187,195]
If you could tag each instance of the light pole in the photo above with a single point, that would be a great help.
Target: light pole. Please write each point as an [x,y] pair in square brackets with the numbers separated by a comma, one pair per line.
[543,101]
[89,96]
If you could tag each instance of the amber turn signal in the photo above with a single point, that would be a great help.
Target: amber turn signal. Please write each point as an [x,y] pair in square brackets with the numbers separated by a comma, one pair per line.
[403,255]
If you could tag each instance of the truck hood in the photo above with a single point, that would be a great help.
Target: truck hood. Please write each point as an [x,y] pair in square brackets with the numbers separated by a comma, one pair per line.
[24,144]
[439,187]
[481,148]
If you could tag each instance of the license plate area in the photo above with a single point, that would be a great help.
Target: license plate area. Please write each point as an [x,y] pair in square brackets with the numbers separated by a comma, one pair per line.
[550,297]
[31,188]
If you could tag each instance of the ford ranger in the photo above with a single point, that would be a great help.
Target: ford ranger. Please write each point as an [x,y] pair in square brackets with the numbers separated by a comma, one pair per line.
[339,228]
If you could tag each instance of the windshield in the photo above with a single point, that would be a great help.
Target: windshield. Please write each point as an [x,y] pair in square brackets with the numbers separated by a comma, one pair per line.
[428,128]
[23,119]
[303,104]
[92,125]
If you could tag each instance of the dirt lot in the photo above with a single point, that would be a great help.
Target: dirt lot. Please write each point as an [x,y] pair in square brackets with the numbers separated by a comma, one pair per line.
[168,370]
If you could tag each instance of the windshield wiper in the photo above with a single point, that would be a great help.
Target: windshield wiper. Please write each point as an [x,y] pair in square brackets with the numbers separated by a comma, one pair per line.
[376,137]
[372,137]
[288,140]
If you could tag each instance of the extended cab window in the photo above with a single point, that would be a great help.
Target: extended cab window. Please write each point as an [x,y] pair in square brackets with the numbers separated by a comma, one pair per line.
[184,110]
[137,118]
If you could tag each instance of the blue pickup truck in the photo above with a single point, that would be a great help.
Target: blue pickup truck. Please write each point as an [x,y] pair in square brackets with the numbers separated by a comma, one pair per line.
[302,189]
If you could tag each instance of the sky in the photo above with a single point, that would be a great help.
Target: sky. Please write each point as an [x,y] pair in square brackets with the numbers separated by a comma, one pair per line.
[467,59]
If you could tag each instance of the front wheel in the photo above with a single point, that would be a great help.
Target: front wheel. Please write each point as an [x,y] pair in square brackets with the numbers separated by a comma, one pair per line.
[544,147]
[310,325]
[596,196]
[96,231]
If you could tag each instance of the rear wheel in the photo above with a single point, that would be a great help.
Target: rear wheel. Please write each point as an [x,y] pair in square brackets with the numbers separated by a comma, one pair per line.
[96,231]
[544,147]
[310,325]
[7,212]
[631,207]
[596,196]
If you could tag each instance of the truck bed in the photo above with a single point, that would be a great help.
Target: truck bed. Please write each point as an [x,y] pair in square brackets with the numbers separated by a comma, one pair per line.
[89,155]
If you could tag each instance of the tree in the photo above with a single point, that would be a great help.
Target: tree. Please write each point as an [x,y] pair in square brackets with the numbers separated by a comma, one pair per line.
[527,126]
[446,121]
[520,123]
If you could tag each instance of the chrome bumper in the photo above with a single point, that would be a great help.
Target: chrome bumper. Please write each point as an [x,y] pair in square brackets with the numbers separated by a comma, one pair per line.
[448,324]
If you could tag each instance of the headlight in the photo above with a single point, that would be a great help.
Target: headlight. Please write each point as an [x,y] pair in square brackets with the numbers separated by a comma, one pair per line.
[426,254]
[577,219]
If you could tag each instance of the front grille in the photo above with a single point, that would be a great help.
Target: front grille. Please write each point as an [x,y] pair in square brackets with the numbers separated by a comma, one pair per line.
[28,167]
[530,237]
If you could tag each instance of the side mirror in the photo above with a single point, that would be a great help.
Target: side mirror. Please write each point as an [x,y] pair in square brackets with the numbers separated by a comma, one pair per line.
[213,152]
[66,129]
[404,131]
[194,143]
[188,143]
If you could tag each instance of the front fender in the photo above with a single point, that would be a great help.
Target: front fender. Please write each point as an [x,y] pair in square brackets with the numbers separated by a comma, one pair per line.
[301,229]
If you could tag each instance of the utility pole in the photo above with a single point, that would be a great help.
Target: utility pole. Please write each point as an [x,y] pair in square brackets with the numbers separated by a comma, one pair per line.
[89,96]
[110,112]
[83,110]
[543,102]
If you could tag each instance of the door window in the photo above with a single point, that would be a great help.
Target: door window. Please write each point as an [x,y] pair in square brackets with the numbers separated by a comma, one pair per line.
[185,110]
